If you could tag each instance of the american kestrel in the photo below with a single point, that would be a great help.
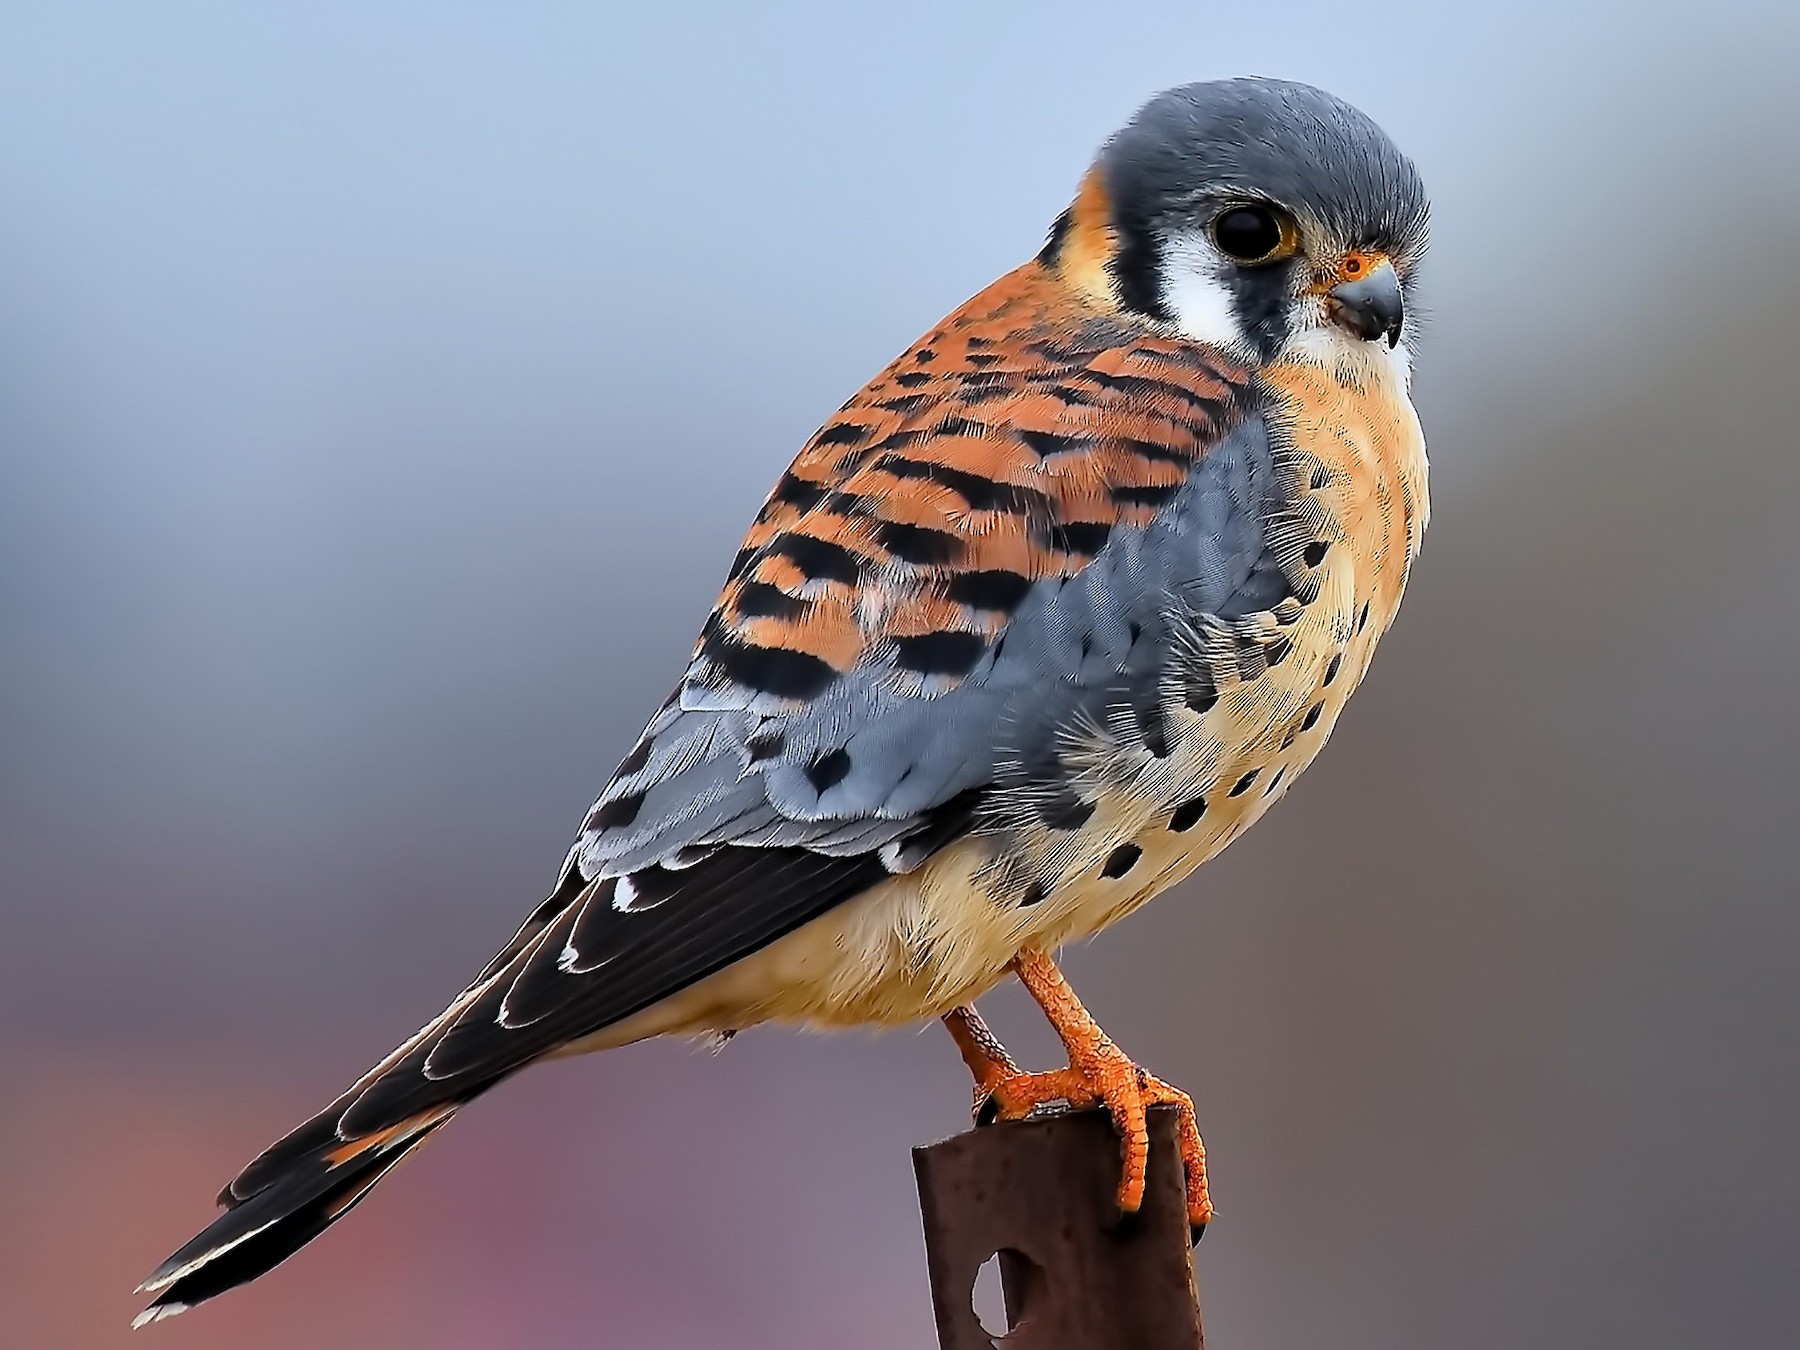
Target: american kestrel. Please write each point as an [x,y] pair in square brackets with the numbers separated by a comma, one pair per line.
[1036,624]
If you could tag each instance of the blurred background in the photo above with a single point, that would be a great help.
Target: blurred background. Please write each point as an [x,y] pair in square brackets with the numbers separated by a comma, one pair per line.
[383,392]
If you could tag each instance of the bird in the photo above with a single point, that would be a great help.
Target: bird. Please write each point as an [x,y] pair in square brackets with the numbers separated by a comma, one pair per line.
[1037,623]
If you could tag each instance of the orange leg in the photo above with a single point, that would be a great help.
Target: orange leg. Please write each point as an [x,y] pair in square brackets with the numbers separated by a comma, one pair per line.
[981,1050]
[1098,1074]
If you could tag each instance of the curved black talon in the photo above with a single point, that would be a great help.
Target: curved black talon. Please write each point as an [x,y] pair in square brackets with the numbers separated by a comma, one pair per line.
[1196,1231]
[987,1111]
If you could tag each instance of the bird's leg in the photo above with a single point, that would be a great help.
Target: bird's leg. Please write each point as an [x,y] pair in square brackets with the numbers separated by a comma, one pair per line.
[981,1050]
[1098,1074]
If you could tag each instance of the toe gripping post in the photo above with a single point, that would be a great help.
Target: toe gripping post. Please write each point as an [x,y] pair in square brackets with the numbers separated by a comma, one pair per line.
[1076,1276]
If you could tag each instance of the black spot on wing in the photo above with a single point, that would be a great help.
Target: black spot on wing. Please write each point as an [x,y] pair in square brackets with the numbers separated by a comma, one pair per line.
[943,653]
[827,771]
[919,544]
[998,590]
[842,433]
[978,491]
[798,493]
[758,599]
[767,670]
[1158,452]
[1143,494]
[765,744]
[636,760]
[819,559]
[1047,443]
[617,813]
[1081,537]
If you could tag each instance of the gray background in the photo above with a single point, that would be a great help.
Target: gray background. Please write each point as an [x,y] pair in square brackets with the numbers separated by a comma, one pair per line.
[383,392]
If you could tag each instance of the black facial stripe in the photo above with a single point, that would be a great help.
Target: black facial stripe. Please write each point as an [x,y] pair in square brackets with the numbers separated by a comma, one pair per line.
[1136,269]
[1260,296]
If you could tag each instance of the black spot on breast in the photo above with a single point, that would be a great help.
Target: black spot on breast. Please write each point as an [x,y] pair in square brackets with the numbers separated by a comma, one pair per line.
[767,670]
[1122,860]
[1035,893]
[617,813]
[996,590]
[1331,667]
[1243,784]
[842,433]
[1201,698]
[1152,723]
[942,653]
[1086,537]
[1065,811]
[1362,619]
[819,559]
[1312,716]
[1187,815]
[1314,553]
[636,760]
[1277,652]
[1275,782]
[760,600]
[827,771]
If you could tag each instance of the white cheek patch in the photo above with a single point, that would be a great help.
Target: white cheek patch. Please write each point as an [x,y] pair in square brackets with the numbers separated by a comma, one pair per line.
[1354,359]
[1194,294]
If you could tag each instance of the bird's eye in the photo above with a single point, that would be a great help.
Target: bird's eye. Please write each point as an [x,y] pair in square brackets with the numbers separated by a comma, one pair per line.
[1248,233]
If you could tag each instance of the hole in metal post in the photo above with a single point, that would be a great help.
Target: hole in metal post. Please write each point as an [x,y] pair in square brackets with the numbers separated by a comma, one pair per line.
[1023,1278]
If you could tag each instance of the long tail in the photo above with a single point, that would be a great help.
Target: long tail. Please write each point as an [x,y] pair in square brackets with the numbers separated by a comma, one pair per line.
[310,1178]
[293,1192]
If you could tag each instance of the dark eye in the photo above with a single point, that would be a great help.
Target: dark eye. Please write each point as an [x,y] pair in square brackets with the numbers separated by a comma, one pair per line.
[1247,233]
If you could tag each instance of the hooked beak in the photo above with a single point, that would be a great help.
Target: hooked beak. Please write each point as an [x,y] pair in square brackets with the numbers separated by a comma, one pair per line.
[1371,306]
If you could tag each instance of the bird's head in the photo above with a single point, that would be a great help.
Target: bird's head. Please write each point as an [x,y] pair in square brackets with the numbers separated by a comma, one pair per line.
[1265,217]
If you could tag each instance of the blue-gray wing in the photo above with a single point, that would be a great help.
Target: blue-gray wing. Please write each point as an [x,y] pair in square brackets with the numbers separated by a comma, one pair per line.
[930,599]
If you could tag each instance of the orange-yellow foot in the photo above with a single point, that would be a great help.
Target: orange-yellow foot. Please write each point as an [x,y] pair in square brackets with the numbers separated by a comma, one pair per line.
[1098,1074]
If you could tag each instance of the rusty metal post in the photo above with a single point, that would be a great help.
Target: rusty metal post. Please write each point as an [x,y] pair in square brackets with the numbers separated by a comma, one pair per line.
[1040,1193]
